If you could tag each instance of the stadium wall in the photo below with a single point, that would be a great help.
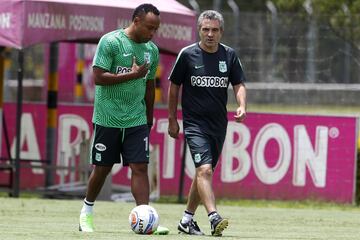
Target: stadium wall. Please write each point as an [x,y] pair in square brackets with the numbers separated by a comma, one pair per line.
[269,156]
[302,94]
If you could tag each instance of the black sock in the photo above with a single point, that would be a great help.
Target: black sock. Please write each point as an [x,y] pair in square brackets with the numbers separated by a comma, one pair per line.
[212,215]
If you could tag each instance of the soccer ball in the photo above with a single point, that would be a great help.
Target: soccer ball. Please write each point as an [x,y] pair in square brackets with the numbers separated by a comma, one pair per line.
[143,219]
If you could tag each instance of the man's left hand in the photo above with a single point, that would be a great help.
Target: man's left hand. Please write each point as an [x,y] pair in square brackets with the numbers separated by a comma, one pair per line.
[240,114]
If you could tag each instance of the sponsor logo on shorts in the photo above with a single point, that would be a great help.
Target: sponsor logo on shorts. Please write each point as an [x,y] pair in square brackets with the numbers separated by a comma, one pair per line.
[98,157]
[100,147]
[209,81]
[197,157]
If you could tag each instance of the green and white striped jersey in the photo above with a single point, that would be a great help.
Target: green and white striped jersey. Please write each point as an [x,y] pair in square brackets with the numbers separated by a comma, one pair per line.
[122,105]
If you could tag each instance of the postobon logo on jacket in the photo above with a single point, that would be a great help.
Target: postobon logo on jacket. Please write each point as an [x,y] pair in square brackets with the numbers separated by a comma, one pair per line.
[209,81]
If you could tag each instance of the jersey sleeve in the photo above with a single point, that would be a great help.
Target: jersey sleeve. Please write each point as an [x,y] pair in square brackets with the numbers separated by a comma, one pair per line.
[154,63]
[178,71]
[103,56]
[236,71]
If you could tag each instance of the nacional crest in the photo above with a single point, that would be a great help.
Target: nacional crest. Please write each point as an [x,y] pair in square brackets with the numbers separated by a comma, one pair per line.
[197,157]
[147,57]
[222,66]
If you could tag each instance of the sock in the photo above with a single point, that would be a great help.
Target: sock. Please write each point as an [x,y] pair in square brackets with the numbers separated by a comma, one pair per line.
[87,207]
[212,215]
[187,217]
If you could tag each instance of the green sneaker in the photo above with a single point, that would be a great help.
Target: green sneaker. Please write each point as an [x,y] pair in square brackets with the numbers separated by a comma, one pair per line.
[161,231]
[86,222]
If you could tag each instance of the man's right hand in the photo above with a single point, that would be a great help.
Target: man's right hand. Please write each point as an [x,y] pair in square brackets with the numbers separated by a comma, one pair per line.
[173,129]
[139,71]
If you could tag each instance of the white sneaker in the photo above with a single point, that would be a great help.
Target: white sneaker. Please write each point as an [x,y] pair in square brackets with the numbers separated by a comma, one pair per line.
[86,223]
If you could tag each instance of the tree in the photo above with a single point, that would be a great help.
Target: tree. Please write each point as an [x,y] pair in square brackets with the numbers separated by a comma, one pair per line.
[340,15]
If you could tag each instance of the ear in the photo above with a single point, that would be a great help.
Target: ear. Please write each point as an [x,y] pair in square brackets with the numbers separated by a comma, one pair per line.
[137,19]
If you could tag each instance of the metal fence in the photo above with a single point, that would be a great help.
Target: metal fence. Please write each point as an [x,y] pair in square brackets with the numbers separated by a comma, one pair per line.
[290,48]
[275,48]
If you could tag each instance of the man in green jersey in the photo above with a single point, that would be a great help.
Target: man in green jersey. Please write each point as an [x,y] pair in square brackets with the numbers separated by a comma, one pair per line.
[124,69]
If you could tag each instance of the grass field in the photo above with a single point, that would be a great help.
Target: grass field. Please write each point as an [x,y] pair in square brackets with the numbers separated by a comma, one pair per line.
[26,218]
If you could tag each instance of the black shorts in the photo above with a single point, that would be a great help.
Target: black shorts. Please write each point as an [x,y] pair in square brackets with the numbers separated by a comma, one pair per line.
[204,148]
[109,143]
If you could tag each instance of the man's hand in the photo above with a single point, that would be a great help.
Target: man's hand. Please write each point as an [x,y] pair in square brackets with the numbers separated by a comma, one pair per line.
[139,71]
[173,129]
[240,114]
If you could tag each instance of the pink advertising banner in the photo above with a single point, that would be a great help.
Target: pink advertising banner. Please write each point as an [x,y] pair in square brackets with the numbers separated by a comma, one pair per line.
[273,156]
[27,22]
[269,156]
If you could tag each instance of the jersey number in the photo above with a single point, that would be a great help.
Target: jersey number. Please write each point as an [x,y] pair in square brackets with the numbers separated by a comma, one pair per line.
[146,140]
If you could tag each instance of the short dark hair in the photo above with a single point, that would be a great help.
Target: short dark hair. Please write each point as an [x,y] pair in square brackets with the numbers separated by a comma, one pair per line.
[144,9]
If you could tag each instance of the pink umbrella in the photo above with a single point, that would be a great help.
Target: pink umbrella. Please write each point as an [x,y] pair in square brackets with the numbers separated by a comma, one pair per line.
[28,22]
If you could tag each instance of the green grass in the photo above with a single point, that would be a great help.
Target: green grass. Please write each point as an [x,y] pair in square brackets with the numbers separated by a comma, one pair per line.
[58,219]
